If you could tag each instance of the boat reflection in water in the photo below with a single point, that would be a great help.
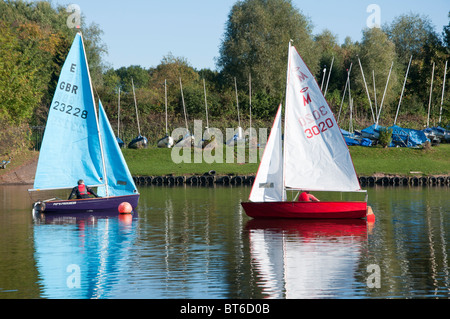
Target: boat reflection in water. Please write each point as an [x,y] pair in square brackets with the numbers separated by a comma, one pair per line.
[306,258]
[82,256]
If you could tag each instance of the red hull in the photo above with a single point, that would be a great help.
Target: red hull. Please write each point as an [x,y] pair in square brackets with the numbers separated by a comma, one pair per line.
[306,210]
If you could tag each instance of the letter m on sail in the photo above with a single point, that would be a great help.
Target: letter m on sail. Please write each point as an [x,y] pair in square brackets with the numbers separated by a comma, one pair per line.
[306,100]
[301,76]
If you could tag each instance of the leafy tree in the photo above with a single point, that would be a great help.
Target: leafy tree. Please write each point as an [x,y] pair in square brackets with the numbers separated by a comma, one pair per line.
[19,83]
[414,35]
[256,39]
[171,70]
[446,35]
[330,52]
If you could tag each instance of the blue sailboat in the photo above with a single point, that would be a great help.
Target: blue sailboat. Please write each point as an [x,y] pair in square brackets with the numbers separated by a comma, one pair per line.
[78,144]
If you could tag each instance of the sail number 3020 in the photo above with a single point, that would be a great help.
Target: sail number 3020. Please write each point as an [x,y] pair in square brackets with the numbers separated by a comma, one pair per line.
[69,109]
[312,118]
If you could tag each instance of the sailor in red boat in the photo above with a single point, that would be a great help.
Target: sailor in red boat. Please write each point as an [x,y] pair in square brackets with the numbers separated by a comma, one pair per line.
[82,191]
[307,197]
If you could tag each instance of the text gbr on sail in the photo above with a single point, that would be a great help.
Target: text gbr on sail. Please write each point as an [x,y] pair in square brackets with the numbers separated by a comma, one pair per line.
[68,87]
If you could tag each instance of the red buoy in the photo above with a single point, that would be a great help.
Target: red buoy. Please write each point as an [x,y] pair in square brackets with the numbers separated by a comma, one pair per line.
[370,215]
[125,208]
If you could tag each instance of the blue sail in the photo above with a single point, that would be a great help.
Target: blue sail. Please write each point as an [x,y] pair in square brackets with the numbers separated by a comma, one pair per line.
[71,146]
[120,182]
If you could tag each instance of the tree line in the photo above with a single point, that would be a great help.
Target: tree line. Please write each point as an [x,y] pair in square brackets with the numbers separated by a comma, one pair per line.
[34,40]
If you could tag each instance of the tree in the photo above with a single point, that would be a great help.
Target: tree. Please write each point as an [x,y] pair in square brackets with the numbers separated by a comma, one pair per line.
[256,41]
[414,35]
[171,69]
[20,89]
[446,35]
[330,52]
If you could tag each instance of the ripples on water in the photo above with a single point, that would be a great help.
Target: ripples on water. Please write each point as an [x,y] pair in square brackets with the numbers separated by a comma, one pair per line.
[198,243]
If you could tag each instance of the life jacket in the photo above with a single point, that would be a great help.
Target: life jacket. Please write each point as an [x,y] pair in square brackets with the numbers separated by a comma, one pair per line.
[82,190]
[304,197]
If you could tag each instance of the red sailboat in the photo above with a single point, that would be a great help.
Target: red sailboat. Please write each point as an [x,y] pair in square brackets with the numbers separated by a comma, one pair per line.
[314,157]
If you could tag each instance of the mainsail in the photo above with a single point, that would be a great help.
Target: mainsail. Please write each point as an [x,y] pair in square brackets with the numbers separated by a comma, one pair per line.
[71,146]
[316,156]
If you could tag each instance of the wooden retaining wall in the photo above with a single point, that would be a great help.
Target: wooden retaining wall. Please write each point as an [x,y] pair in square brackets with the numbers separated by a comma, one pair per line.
[211,179]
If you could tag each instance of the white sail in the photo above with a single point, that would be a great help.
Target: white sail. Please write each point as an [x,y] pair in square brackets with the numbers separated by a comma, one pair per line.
[316,156]
[268,185]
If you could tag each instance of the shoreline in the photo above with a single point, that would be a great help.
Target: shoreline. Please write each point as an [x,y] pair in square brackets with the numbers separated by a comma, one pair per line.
[237,180]
[23,174]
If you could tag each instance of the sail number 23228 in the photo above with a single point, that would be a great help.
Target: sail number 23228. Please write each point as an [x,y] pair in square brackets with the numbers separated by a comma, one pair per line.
[70,110]
[316,122]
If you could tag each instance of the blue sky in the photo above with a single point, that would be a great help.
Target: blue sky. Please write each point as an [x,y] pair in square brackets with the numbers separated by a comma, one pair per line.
[141,32]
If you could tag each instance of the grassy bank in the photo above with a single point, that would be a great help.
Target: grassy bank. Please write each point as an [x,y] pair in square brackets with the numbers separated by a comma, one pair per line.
[367,161]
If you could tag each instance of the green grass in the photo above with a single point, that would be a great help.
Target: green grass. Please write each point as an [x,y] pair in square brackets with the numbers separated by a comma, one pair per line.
[401,161]
[158,162]
[367,161]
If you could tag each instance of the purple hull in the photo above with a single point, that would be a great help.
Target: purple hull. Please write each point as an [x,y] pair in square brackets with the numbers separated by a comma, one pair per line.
[89,205]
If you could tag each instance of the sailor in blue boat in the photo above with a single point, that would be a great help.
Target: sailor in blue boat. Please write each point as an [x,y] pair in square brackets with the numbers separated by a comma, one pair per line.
[82,191]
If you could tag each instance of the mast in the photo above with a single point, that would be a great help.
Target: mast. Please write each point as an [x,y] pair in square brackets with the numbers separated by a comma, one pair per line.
[237,101]
[283,195]
[135,104]
[118,116]
[105,176]
[345,89]
[329,75]
[443,89]
[384,94]
[323,78]
[165,101]
[206,105]
[367,90]
[350,104]
[429,102]
[375,92]
[403,90]
[184,106]
[250,102]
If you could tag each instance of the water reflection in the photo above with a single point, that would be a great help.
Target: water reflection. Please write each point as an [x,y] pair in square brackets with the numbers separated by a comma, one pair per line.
[410,242]
[306,259]
[81,256]
[197,242]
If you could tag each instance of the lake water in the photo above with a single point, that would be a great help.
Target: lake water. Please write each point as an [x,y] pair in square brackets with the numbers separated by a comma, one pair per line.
[197,243]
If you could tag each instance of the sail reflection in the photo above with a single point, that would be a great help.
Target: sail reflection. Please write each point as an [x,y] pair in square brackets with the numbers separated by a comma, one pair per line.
[306,258]
[82,256]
